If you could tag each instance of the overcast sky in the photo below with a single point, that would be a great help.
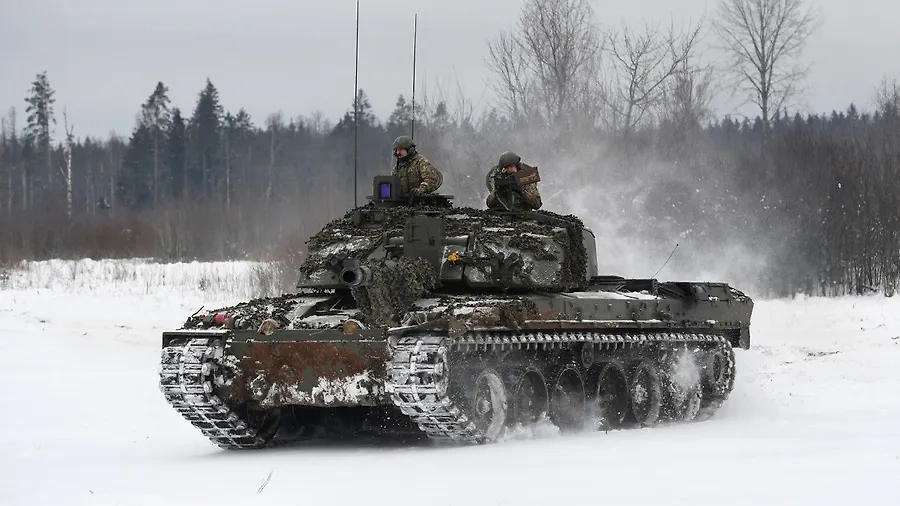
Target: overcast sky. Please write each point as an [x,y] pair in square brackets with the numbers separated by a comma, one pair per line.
[104,57]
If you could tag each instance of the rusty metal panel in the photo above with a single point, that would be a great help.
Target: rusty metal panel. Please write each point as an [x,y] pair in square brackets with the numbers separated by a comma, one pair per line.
[272,372]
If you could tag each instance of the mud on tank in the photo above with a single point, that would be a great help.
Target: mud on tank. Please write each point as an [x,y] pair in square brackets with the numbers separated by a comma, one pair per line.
[413,317]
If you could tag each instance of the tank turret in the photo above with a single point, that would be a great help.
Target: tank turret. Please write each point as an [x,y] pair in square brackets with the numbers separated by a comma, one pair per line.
[417,317]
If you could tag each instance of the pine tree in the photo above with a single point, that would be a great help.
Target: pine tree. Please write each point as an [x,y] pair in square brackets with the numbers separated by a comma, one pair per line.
[136,181]
[400,119]
[40,117]
[176,147]
[237,132]
[367,118]
[205,139]
[156,117]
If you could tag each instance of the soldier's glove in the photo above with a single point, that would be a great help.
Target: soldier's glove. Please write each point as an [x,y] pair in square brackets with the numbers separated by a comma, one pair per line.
[417,191]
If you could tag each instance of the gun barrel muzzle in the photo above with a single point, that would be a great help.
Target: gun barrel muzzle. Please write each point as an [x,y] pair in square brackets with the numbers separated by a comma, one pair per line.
[356,276]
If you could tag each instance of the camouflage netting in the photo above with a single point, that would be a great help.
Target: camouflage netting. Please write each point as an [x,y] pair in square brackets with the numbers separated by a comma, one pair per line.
[486,314]
[344,230]
[393,287]
[460,314]
[461,221]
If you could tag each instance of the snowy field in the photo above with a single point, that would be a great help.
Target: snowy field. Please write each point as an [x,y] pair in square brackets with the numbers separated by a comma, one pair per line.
[814,417]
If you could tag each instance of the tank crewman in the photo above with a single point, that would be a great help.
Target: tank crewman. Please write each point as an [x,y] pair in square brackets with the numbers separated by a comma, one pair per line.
[416,173]
[527,196]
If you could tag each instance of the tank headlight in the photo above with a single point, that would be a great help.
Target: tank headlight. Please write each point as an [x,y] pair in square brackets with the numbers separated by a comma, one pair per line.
[350,326]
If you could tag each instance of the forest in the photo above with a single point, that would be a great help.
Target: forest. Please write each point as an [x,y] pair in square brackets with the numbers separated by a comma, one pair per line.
[618,120]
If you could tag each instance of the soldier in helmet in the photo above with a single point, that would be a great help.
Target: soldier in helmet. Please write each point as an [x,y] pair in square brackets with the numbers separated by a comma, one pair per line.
[416,174]
[526,197]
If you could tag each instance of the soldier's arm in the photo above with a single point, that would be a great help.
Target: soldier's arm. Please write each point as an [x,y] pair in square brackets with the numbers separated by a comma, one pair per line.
[532,196]
[491,200]
[429,177]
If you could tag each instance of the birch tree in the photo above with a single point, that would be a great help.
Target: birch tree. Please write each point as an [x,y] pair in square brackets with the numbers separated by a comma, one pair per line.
[67,170]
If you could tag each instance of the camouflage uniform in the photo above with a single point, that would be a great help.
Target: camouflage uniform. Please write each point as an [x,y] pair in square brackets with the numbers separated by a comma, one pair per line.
[416,173]
[529,197]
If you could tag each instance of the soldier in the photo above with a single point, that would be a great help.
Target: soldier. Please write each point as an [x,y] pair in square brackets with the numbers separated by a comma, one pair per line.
[416,174]
[527,196]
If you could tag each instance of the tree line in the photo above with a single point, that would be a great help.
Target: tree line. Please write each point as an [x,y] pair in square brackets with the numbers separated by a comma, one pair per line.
[618,120]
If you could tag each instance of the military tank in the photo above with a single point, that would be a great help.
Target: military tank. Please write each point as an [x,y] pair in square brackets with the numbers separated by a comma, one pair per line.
[416,318]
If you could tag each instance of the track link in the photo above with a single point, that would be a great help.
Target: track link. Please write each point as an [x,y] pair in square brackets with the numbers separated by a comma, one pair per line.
[419,377]
[186,378]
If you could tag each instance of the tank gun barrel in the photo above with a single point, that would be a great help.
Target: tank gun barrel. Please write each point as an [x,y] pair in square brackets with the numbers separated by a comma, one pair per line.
[356,275]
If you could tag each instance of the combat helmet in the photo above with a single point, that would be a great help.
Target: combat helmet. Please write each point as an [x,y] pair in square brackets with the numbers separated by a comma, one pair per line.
[404,142]
[508,158]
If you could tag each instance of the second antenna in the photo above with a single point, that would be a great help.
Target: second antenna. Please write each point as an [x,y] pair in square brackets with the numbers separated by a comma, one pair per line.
[412,122]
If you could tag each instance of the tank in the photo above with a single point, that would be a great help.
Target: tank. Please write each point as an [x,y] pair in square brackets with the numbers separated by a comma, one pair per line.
[415,318]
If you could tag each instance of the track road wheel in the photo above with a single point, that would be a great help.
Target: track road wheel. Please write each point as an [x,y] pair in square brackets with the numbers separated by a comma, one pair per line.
[611,397]
[682,387]
[718,373]
[567,401]
[718,381]
[530,399]
[691,405]
[646,394]
[489,405]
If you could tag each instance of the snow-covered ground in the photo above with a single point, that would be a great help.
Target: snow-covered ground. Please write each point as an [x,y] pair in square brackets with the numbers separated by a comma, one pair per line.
[814,418]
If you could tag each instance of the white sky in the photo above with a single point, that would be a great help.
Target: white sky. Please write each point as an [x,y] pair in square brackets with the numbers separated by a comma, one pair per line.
[104,57]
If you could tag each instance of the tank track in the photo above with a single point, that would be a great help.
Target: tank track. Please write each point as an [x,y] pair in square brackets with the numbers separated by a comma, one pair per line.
[418,376]
[186,378]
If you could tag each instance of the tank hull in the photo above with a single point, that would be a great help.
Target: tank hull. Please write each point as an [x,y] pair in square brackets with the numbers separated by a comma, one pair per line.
[581,360]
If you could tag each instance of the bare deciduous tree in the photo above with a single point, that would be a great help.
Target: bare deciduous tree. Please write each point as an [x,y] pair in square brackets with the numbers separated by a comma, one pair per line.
[764,39]
[545,62]
[686,100]
[687,97]
[643,63]
[887,95]
[318,123]
[507,61]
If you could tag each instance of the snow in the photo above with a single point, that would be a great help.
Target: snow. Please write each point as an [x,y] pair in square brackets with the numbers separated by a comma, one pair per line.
[813,418]
[341,391]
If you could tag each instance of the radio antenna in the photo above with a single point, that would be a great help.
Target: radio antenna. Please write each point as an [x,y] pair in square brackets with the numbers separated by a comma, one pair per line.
[667,260]
[412,125]
[356,113]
